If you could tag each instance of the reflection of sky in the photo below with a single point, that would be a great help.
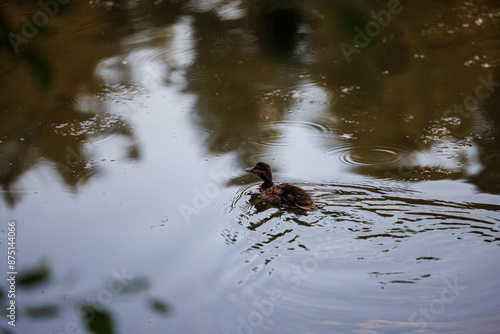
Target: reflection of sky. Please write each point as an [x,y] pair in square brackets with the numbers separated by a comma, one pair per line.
[122,219]
[451,154]
[124,196]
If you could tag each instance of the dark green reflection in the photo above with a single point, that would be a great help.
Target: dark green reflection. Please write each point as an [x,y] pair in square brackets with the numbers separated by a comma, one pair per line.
[94,308]
[47,67]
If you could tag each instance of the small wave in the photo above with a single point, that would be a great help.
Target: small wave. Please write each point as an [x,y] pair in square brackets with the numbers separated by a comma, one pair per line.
[279,133]
[367,211]
[375,156]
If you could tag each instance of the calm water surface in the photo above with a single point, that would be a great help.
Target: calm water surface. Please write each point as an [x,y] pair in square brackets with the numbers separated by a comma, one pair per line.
[125,130]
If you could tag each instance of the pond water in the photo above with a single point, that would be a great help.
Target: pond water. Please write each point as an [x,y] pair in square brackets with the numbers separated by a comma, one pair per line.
[125,129]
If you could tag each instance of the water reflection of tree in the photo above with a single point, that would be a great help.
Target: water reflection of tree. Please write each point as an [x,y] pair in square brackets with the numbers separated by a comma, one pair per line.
[396,91]
[229,75]
[488,178]
[58,142]
[391,93]
[42,121]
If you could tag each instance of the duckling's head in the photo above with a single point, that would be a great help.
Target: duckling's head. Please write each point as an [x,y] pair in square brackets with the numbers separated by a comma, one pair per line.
[263,171]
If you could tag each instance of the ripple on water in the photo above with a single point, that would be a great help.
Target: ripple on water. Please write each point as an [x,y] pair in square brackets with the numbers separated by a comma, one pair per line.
[373,155]
[363,234]
[262,227]
[280,133]
[234,38]
[196,74]
[349,212]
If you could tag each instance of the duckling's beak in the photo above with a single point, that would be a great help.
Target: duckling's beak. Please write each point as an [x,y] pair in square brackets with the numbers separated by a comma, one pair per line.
[249,170]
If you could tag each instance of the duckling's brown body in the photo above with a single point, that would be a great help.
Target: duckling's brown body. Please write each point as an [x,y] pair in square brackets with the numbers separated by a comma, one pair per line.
[285,195]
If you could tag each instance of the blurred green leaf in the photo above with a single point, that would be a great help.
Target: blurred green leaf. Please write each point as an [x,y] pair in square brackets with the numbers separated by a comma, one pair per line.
[97,321]
[34,276]
[159,306]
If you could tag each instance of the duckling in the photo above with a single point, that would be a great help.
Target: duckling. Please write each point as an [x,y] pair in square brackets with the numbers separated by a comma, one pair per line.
[285,195]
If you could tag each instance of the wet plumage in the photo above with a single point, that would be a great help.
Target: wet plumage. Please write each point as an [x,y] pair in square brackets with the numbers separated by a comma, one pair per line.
[285,194]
